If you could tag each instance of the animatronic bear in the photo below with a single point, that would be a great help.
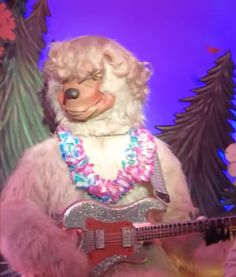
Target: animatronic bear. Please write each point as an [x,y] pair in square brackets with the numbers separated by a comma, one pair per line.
[102,154]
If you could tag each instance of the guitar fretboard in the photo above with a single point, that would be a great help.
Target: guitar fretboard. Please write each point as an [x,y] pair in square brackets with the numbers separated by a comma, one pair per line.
[149,232]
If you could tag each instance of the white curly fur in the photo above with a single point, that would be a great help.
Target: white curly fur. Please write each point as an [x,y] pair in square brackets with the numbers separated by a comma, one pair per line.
[124,76]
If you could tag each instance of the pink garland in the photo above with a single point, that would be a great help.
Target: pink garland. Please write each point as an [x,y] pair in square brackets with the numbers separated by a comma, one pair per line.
[137,166]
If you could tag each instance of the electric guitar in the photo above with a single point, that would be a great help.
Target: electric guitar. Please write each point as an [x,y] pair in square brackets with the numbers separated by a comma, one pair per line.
[113,235]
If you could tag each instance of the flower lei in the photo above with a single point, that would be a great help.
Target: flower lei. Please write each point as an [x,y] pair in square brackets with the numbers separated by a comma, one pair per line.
[137,166]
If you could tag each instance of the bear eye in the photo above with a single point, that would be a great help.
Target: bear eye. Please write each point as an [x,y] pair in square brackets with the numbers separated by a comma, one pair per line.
[95,75]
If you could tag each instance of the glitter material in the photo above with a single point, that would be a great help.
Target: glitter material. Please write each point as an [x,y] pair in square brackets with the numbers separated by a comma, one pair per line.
[137,166]
[77,214]
[158,183]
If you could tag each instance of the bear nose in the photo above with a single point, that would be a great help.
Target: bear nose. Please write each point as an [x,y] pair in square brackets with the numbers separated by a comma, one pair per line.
[71,93]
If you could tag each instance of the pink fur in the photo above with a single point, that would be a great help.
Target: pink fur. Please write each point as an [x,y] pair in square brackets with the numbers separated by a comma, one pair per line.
[151,272]
[193,258]
[33,244]
[211,258]
[230,264]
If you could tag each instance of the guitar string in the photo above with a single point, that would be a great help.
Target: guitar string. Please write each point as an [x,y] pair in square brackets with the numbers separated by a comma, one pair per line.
[178,227]
[159,230]
[117,238]
[140,237]
[119,241]
[153,232]
[144,235]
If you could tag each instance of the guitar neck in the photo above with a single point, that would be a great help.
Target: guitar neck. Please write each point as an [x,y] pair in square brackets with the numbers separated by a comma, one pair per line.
[149,232]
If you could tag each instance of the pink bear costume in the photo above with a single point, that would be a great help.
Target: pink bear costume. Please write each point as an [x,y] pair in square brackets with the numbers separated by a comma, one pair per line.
[101,152]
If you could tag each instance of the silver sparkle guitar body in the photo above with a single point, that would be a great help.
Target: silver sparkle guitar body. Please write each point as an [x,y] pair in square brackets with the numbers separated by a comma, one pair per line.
[108,234]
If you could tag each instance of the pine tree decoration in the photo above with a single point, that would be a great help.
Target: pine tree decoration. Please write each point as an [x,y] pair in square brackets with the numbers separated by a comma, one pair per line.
[21,82]
[201,132]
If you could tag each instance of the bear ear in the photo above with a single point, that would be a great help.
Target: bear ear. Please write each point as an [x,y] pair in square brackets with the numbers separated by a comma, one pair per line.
[114,55]
[230,153]
[109,57]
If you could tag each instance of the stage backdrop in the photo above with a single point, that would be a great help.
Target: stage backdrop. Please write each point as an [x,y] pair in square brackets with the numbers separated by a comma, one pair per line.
[181,39]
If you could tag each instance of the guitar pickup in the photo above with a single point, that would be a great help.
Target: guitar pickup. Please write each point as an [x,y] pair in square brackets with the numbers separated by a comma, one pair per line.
[99,239]
[127,237]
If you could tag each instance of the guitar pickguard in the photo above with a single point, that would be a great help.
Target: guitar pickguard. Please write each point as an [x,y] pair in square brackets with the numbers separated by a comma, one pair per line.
[76,215]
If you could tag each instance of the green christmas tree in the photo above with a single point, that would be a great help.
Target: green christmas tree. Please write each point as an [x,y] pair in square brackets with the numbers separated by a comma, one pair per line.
[201,132]
[21,82]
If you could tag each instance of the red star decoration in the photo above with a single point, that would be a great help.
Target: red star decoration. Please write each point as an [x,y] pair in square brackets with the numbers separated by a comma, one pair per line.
[7,24]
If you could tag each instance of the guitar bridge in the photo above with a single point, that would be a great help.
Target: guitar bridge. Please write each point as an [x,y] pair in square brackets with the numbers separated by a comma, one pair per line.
[127,237]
